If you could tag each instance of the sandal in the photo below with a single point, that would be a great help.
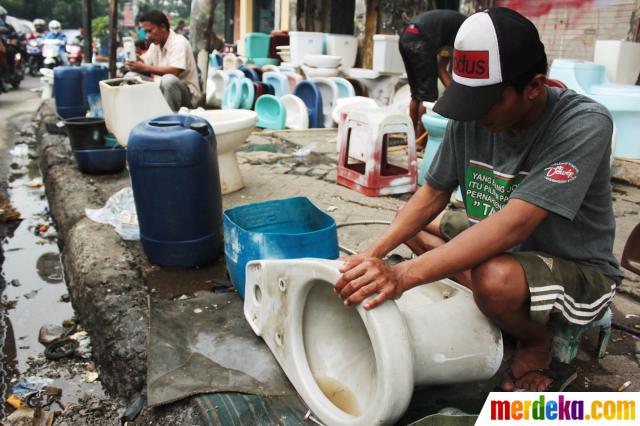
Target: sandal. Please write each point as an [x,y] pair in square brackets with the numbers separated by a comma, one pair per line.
[561,375]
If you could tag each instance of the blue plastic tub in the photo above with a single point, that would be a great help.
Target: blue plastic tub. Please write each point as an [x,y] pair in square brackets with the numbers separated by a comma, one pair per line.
[101,160]
[292,228]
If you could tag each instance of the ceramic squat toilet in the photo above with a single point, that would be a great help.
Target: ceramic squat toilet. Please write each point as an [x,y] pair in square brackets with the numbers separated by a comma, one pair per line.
[354,366]
[232,127]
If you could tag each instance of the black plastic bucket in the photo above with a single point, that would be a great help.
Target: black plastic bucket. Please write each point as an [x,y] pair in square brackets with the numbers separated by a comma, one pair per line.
[85,132]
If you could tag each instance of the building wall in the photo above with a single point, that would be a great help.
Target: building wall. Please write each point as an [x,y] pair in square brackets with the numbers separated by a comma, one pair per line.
[570,28]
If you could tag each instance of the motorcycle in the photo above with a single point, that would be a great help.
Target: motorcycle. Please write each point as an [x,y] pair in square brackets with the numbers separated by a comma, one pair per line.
[14,76]
[51,53]
[74,53]
[34,55]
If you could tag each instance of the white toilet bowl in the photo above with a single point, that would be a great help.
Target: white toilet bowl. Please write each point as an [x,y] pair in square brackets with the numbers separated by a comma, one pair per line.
[232,127]
[216,84]
[297,112]
[126,102]
[379,86]
[354,366]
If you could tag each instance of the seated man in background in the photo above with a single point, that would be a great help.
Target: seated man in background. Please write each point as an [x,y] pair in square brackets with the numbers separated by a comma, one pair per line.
[170,57]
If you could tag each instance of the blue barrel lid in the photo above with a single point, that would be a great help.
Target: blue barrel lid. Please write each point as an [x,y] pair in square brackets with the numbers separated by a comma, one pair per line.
[171,140]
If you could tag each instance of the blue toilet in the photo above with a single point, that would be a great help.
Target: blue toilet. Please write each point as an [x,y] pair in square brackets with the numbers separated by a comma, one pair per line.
[271,112]
[247,93]
[249,73]
[623,101]
[280,83]
[310,95]
[345,88]
[232,94]
[436,125]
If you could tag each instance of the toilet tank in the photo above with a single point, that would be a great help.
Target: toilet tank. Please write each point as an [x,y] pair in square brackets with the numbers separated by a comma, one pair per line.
[386,54]
[304,43]
[621,59]
[345,46]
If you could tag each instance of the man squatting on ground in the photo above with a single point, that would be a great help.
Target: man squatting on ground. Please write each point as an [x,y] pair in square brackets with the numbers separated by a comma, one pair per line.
[535,244]
[424,45]
[169,56]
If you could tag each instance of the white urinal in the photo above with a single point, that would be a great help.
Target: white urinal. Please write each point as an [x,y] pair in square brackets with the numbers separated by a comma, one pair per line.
[356,367]
[216,84]
[329,93]
[128,101]
[294,78]
[297,113]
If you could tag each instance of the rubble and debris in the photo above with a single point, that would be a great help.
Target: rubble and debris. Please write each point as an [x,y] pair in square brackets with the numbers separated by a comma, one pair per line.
[50,332]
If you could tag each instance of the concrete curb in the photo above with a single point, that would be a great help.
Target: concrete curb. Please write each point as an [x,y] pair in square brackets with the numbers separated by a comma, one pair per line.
[102,273]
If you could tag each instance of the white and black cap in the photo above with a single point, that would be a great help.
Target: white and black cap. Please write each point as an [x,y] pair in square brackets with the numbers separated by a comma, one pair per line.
[492,48]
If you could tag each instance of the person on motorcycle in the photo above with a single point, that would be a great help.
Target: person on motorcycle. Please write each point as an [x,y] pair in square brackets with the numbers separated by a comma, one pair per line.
[55,33]
[10,39]
[40,29]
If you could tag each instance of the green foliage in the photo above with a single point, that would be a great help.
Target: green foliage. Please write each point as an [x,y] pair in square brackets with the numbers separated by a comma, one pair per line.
[99,27]
[68,12]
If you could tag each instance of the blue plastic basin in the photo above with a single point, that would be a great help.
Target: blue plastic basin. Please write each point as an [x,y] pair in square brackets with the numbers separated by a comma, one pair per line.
[101,160]
[292,228]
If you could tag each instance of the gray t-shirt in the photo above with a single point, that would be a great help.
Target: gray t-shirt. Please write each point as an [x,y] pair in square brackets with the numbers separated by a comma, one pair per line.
[560,164]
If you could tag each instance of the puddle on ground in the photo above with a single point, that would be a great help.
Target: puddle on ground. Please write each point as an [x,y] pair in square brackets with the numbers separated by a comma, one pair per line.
[339,395]
[35,286]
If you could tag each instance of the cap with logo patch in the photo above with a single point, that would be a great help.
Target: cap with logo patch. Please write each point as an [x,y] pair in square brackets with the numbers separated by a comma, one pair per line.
[491,49]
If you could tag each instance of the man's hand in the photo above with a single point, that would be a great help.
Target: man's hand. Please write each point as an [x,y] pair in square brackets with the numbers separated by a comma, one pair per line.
[364,276]
[137,66]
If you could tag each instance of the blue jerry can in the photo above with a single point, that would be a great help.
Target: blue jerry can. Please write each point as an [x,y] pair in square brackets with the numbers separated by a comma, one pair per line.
[173,165]
[67,86]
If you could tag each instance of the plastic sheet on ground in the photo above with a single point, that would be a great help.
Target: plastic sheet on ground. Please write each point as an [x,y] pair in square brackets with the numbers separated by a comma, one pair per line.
[119,212]
[203,345]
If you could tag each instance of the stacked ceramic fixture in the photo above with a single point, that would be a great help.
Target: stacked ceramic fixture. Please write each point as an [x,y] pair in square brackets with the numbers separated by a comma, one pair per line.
[303,43]
[320,65]
[345,46]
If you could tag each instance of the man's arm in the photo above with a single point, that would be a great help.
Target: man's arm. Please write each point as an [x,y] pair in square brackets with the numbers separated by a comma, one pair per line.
[443,74]
[499,232]
[142,68]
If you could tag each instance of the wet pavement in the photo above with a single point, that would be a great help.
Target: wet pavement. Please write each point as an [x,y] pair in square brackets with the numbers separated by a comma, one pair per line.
[36,293]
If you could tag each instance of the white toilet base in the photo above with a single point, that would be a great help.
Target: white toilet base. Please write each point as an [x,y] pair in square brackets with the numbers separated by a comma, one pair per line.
[230,176]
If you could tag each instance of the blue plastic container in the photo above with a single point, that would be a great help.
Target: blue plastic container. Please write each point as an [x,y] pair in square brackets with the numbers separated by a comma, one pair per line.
[91,76]
[101,160]
[68,88]
[173,165]
[310,95]
[292,228]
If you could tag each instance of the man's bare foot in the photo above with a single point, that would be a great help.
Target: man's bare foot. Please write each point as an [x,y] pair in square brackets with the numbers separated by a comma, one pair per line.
[530,356]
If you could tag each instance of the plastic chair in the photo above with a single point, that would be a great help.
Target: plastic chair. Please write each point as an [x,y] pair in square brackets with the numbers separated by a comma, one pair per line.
[249,73]
[296,112]
[232,95]
[310,95]
[555,83]
[345,89]
[329,93]
[631,252]
[247,95]
[279,81]
[271,113]
[366,136]
[566,339]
